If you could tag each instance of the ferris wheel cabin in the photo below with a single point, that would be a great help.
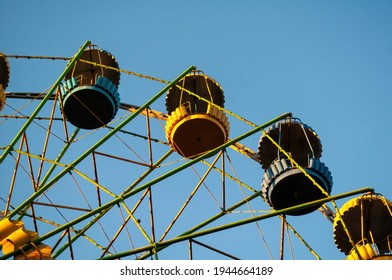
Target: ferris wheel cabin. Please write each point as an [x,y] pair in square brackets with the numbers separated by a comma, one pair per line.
[4,78]
[368,221]
[90,97]
[289,152]
[196,122]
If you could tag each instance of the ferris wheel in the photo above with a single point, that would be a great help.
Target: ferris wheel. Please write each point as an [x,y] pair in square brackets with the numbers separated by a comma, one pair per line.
[85,174]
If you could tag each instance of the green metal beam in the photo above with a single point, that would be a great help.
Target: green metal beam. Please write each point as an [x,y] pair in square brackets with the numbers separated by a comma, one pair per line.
[69,167]
[236,224]
[42,103]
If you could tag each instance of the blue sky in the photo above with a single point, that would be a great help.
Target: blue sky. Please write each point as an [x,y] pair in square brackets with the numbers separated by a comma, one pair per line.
[327,62]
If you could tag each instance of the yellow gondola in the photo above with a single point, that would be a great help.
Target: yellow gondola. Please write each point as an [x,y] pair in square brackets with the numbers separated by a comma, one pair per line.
[195,125]
[368,219]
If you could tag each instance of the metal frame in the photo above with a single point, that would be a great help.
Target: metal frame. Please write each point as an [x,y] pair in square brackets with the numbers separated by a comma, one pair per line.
[93,216]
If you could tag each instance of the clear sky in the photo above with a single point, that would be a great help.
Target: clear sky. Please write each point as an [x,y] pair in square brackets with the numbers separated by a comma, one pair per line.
[327,62]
